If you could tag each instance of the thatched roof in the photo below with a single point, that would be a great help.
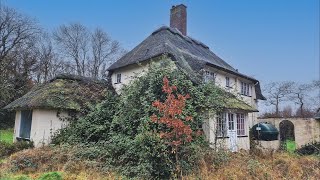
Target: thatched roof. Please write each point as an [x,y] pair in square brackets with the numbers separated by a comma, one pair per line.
[188,53]
[234,103]
[68,92]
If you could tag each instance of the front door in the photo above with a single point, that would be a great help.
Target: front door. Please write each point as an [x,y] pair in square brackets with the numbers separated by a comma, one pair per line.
[25,124]
[232,133]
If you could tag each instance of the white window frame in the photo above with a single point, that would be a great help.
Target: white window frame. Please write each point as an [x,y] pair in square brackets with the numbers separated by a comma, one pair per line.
[209,77]
[226,122]
[245,89]
[118,78]
[222,125]
[241,124]
[227,81]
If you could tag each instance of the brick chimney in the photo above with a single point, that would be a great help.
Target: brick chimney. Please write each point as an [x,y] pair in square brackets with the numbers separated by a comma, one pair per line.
[178,18]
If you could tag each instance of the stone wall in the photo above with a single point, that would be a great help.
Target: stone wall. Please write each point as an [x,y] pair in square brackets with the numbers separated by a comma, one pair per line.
[306,130]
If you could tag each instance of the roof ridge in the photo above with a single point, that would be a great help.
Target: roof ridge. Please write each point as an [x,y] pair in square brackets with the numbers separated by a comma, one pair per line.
[175,31]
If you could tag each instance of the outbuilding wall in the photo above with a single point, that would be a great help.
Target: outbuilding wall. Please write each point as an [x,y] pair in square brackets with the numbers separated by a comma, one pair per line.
[306,130]
[44,124]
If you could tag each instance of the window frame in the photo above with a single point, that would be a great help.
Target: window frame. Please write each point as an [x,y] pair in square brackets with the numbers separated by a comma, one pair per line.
[228,82]
[118,78]
[245,89]
[241,124]
[209,76]
[224,125]
[221,125]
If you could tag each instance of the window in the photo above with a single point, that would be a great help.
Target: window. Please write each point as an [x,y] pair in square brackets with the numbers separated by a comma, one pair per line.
[245,89]
[230,121]
[221,125]
[241,124]
[208,76]
[25,124]
[118,78]
[227,82]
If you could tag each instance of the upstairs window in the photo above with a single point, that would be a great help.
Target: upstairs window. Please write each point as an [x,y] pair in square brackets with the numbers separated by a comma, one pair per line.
[245,89]
[208,76]
[118,80]
[227,82]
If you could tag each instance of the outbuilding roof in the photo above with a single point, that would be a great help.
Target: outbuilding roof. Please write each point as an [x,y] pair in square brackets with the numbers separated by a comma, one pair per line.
[190,54]
[68,92]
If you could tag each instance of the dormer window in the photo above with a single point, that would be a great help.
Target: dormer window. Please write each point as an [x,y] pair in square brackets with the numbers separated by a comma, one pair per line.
[245,89]
[118,80]
[208,76]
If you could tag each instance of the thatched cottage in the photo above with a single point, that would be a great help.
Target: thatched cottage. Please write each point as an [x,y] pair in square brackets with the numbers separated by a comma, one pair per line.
[230,127]
[42,111]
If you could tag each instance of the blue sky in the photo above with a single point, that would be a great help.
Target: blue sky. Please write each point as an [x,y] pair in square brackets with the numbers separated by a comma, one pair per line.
[271,40]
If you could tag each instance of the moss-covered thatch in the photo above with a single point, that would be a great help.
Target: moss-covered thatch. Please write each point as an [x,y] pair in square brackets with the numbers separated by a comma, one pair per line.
[68,92]
[232,102]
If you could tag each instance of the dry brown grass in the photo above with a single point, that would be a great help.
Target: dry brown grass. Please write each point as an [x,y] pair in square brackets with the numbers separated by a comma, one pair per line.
[35,162]
[262,165]
[242,165]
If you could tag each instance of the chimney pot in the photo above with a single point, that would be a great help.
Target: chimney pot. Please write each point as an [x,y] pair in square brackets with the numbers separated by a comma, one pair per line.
[178,18]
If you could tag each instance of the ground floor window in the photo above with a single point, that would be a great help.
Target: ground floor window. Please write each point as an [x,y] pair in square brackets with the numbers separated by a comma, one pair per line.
[221,125]
[241,124]
[228,121]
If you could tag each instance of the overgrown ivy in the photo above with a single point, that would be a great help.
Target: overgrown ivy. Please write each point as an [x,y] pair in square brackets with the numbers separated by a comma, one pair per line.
[120,133]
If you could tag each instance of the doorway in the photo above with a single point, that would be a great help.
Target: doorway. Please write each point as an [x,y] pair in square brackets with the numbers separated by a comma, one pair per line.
[232,132]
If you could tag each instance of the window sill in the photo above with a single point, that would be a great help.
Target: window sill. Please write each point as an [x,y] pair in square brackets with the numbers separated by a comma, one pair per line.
[220,137]
[118,83]
[241,136]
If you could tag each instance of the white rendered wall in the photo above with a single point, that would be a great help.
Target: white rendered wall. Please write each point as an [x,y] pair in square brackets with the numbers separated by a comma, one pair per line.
[43,126]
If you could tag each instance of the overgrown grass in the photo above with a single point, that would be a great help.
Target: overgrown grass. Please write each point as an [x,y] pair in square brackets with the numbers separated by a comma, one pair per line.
[64,161]
[6,135]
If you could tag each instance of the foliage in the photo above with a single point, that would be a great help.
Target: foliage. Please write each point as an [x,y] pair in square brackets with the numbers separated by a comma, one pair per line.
[120,133]
[6,149]
[209,165]
[51,176]
[309,149]
[6,119]
[177,131]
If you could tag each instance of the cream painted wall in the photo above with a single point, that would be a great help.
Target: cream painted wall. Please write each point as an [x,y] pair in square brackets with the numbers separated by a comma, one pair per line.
[17,125]
[209,128]
[44,124]
[235,88]
[129,72]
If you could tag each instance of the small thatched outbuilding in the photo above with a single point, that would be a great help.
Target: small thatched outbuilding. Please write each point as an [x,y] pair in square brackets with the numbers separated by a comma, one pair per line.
[41,112]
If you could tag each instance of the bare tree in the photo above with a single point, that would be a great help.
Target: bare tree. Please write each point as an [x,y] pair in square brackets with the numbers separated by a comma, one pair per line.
[15,30]
[299,95]
[47,59]
[278,92]
[287,112]
[104,50]
[73,41]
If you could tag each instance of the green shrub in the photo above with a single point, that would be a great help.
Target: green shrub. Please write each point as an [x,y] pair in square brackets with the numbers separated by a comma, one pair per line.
[119,133]
[51,176]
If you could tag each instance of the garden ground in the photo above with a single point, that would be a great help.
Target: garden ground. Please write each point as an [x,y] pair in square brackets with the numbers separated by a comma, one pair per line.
[6,135]
[51,161]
